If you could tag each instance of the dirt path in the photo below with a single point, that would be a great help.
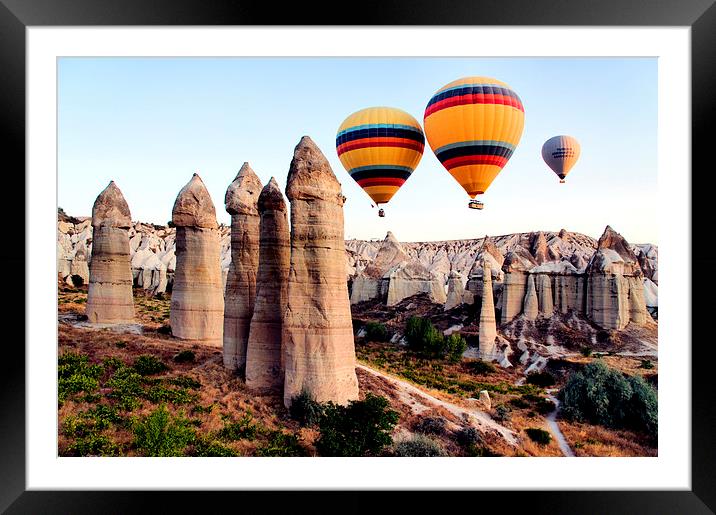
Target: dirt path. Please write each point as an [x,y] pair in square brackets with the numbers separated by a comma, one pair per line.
[410,394]
[554,429]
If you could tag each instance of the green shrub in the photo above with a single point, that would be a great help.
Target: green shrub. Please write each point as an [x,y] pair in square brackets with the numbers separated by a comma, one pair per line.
[601,395]
[586,351]
[539,436]
[206,447]
[281,444]
[416,329]
[75,374]
[185,356]
[543,379]
[418,446]
[148,365]
[94,444]
[430,426]
[185,382]
[158,392]
[165,329]
[126,388]
[455,345]
[376,332]
[362,428]
[161,434]
[480,367]
[245,428]
[647,364]
[305,409]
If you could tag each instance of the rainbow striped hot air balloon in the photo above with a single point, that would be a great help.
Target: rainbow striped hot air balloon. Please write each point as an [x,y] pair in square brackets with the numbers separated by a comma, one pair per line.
[560,153]
[473,125]
[380,147]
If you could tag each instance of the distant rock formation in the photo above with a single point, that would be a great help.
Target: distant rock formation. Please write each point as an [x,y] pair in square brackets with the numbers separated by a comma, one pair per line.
[456,291]
[531,304]
[109,296]
[516,265]
[197,305]
[264,354]
[318,329]
[488,327]
[241,203]
[539,248]
[543,283]
[615,289]
[490,254]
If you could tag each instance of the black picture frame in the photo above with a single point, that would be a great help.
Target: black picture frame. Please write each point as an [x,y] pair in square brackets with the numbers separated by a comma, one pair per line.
[700,15]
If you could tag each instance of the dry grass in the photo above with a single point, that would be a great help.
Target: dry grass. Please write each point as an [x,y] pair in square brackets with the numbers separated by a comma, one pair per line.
[591,440]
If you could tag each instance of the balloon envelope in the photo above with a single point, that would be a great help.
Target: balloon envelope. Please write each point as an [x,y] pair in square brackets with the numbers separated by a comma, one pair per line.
[473,125]
[380,147]
[560,153]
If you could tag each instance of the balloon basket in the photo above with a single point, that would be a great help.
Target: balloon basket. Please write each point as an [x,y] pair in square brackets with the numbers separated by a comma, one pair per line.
[562,181]
[381,213]
[476,204]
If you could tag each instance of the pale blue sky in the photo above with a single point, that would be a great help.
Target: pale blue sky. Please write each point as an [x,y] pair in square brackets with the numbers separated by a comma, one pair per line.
[149,123]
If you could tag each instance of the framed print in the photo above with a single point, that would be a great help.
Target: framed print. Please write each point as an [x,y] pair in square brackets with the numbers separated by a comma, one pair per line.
[436,265]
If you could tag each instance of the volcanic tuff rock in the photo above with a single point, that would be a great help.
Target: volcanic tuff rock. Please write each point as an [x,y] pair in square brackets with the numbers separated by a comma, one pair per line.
[109,296]
[456,291]
[539,248]
[517,262]
[264,359]
[531,304]
[615,288]
[488,327]
[241,203]
[318,329]
[197,305]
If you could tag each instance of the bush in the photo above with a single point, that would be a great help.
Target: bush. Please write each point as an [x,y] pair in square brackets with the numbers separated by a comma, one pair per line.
[431,426]
[601,395]
[148,365]
[94,444]
[418,446]
[455,345]
[586,351]
[360,429]
[480,367]
[376,332]
[543,379]
[161,434]
[646,364]
[243,429]
[205,447]
[424,337]
[503,413]
[539,436]
[305,409]
[75,374]
[126,388]
[165,329]
[467,436]
[281,444]
[185,356]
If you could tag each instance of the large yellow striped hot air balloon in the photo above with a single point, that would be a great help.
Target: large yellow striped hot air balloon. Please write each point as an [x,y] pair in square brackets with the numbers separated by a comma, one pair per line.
[473,125]
[560,153]
[380,147]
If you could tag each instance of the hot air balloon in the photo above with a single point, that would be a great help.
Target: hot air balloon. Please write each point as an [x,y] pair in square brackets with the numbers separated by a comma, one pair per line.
[560,153]
[473,125]
[380,147]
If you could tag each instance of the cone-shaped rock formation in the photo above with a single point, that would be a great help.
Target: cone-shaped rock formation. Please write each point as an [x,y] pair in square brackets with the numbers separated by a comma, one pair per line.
[488,328]
[109,297]
[318,331]
[241,203]
[197,306]
[264,362]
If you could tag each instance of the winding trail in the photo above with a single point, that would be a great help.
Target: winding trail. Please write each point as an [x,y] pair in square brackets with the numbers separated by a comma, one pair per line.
[555,430]
[408,391]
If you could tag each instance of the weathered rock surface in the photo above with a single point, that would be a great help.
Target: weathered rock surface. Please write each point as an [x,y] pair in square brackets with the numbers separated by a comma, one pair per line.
[318,330]
[264,360]
[531,304]
[488,326]
[241,203]
[109,296]
[543,283]
[615,289]
[516,265]
[197,305]
[456,291]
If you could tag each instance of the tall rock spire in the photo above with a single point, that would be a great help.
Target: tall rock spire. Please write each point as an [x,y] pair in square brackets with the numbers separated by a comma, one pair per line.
[488,328]
[264,357]
[318,331]
[197,305]
[109,298]
[241,203]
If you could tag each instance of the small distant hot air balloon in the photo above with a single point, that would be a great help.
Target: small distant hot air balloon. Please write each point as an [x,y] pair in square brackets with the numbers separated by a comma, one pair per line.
[380,147]
[560,153]
[473,125]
